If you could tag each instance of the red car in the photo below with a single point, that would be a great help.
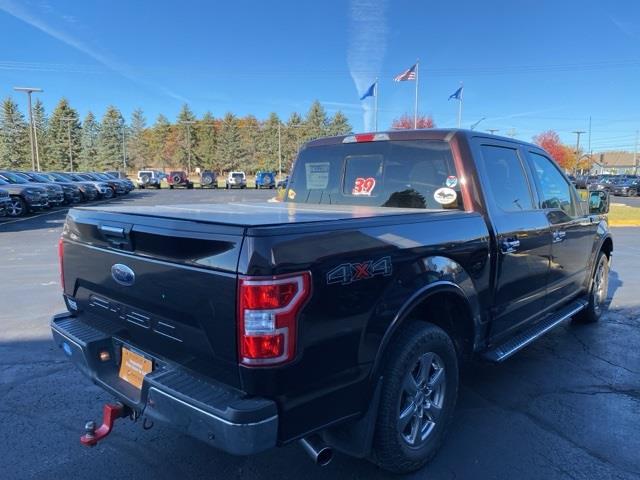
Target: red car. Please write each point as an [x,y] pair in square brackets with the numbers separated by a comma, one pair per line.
[179,178]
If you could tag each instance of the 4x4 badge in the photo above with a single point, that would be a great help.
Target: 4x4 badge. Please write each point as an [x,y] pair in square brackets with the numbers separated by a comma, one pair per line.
[347,273]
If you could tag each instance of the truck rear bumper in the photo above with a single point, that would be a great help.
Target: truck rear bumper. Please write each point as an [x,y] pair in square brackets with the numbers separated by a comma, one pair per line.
[217,414]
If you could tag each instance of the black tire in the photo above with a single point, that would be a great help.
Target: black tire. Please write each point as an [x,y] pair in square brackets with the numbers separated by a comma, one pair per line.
[418,345]
[597,293]
[141,187]
[632,192]
[189,186]
[109,194]
[170,187]
[18,207]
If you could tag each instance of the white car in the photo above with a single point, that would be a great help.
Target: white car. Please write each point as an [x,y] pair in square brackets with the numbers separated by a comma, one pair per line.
[149,178]
[236,180]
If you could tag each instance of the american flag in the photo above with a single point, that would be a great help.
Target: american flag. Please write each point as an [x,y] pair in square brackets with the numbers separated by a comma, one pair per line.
[409,74]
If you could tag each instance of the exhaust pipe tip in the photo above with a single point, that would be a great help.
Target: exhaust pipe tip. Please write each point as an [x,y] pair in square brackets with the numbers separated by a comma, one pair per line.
[320,452]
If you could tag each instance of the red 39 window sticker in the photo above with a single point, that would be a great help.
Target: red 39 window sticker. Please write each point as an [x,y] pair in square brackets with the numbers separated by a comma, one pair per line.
[363,186]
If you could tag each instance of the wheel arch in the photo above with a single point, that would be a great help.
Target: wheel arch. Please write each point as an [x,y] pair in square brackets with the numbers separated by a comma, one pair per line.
[451,288]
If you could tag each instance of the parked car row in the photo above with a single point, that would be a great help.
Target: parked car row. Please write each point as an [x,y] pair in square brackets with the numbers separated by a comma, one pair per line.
[208,179]
[619,185]
[25,192]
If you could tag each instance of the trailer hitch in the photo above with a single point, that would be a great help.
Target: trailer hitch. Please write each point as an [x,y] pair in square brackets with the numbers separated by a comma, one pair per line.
[110,413]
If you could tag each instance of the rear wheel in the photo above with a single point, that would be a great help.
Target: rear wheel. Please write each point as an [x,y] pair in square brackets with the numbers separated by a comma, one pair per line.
[17,207]
[170,187]
[418,398]
[598,294]
[632,192]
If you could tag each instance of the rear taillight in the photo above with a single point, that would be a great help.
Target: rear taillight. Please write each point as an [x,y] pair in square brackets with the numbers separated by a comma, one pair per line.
[61,259]
[268,316]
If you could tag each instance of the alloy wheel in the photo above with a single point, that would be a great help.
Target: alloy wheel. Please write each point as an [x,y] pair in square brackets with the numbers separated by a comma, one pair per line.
[600,284]
[421,400]
[15,208]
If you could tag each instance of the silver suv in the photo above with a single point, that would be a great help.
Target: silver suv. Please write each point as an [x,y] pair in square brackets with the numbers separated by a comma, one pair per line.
[150,178]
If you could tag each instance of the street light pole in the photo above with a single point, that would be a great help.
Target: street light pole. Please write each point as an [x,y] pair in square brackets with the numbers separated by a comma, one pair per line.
[35,158]
[578,133]
[279,152]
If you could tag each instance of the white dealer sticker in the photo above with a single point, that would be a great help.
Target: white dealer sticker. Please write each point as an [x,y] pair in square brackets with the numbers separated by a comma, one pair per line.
[445,196]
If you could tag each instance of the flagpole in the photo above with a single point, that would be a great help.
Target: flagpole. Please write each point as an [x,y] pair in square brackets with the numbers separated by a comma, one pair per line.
[376,106]
[460,105]
[415,106]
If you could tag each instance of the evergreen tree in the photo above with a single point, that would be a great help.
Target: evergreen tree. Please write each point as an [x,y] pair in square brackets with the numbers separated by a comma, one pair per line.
[187,136]
[269,159]
[160,142]
[229,148]
[63,137]
[89,142]
[137,146]
[315,122]
[250,138]
[41,125]
[15,149]
[110,140]
[339,125]
[206,147]
[292,139]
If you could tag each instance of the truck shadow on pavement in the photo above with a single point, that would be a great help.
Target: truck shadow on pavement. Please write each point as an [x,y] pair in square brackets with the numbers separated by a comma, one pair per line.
[567,406]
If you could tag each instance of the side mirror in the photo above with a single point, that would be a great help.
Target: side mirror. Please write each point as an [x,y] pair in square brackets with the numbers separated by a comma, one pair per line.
[598,202]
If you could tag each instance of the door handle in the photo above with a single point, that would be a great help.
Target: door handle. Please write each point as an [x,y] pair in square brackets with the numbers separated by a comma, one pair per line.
[510,245]
[559,236]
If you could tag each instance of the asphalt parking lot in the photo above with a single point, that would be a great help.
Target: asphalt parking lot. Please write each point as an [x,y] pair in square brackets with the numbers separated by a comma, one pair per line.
[568,406]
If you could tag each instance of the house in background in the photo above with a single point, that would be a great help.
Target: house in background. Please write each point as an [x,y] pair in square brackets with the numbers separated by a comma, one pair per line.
[615,162]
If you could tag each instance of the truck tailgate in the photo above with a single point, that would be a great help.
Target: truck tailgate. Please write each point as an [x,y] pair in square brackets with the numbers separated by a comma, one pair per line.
[169,286]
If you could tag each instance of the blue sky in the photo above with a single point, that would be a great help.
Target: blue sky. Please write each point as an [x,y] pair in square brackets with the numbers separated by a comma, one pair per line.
[526,65]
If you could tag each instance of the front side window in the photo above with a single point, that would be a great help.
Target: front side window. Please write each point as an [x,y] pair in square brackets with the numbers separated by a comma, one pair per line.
[556,191]
[506,178]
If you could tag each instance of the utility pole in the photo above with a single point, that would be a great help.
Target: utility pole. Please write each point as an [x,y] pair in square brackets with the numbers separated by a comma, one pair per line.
[69,120]
[635,156]
[280,149]
[493,131]
[188,123]
[35,158]
[578,133]
[124,148]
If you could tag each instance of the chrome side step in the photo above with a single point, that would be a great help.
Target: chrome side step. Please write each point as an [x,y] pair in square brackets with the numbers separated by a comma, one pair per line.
[521,340]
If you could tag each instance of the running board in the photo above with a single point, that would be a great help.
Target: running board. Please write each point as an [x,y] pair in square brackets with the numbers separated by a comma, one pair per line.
[511,346]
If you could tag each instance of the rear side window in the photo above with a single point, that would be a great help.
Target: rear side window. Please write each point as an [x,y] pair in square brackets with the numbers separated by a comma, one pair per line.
[507,181]
[401,174]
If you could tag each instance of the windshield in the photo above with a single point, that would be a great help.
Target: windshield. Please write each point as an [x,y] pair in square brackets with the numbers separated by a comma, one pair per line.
[12,177]
[403,174]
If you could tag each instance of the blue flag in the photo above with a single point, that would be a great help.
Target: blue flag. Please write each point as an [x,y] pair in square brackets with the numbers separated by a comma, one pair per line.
[457,94]
[371,92]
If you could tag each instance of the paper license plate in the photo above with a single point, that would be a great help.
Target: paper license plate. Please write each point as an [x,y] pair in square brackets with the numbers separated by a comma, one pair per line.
[134,367]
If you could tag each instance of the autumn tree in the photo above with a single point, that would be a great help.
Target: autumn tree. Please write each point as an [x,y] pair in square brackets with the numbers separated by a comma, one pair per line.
[562,154]
[406,121]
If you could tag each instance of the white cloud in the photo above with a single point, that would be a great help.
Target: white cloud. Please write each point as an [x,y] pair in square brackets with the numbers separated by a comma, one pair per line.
[367,47]
[22,13]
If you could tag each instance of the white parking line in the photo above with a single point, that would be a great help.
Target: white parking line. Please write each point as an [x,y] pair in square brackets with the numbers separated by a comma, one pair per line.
[65,210]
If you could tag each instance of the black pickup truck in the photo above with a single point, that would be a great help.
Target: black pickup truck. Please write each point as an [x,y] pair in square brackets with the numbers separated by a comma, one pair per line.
[339,316]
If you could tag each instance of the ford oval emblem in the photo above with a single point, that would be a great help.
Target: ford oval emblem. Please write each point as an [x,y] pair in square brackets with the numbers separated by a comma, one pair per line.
[123,274]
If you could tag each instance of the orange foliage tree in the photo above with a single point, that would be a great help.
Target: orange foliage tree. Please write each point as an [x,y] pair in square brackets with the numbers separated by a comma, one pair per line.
[561,153]
[406,122]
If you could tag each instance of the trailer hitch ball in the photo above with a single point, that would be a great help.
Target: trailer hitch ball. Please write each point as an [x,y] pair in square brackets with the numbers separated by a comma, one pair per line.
[110,413]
